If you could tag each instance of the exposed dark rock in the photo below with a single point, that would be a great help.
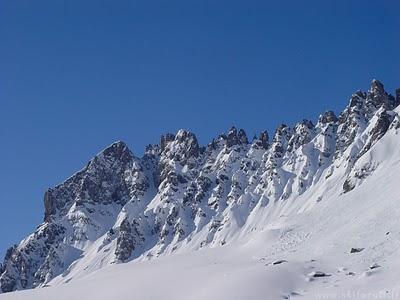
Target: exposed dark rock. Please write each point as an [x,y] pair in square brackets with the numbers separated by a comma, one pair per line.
[264,139]
[101,181]
[196,191]
[22,263]
[280,141]
[303,133]
[49,206]
[350,273]
[190,143]
[374,266]
[169,137]
[9,253]
[125,241]
[117,151]
[242,137]
[395,123]
[377,96]
[377,93]
[278,262]
[356,250]
[356,100]
[317,274]
[234,138]
[376,133]
[328,117]
[350,120]
[7,283]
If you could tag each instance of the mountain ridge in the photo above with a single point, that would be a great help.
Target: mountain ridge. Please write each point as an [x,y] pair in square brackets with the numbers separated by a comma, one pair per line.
[182,196]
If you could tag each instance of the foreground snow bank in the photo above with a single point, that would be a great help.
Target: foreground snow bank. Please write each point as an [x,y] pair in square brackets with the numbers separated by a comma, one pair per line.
[220,273]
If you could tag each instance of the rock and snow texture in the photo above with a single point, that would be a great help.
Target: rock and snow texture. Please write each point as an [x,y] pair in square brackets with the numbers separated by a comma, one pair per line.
[263,219]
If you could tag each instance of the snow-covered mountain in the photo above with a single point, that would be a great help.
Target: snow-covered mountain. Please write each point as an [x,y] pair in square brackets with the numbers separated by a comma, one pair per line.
[309,190]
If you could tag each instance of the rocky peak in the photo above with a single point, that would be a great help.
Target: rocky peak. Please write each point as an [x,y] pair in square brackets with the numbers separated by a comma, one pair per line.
[377,87]
[281,139]
[115,156]
[303,133]
[242,137]
[282,131]
[168,137]
[151,151]
[377,97]
[188,139]
[118,150]
[183,149]
[106,170]
[213,145]
[354,113]
[305,124]
[180,147]
[100,181]
[357,99]
[328,117]
[234,138]
[262,141]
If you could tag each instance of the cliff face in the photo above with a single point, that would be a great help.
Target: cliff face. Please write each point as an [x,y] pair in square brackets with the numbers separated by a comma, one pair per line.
[181,195]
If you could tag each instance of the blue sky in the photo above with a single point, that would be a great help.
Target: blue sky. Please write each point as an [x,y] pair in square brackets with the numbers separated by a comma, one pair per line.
[77,75]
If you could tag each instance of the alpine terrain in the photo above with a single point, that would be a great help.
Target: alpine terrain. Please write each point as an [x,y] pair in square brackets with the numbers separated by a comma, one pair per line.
[309,212]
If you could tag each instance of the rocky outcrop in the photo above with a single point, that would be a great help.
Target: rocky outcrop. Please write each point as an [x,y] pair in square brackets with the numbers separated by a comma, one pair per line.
[125,241]
[303,133]
[377,97]
[379,128]
[263,140]
[328,117]
[236,138]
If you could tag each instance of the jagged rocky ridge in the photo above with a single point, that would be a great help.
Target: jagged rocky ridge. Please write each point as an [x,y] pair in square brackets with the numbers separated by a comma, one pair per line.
[181,195]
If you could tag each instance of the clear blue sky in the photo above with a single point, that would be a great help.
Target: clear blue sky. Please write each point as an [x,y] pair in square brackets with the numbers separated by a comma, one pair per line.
[77,75]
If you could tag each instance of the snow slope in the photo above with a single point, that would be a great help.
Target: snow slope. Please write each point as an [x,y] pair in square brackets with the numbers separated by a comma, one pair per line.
[212,223]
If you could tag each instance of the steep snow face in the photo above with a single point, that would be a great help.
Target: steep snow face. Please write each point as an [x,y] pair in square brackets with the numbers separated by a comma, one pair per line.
[181,197]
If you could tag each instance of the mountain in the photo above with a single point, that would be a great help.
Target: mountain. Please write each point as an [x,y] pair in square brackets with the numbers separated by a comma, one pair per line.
[299,191]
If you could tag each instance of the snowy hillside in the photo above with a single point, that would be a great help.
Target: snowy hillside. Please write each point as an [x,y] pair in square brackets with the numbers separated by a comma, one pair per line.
[311,213]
